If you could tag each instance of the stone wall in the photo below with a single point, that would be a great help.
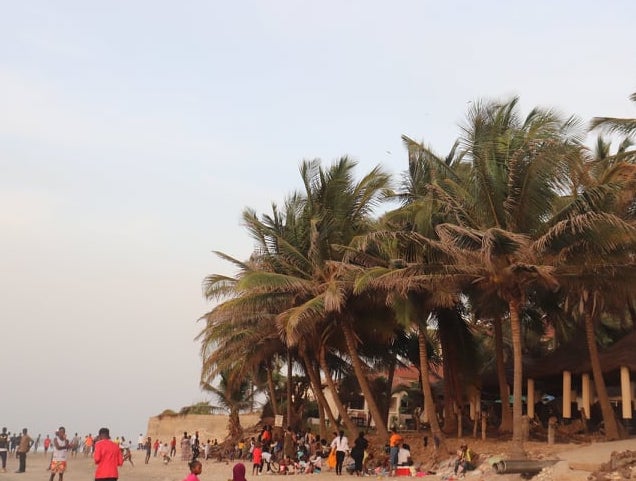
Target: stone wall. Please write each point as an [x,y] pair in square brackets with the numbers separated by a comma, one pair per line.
[210,426]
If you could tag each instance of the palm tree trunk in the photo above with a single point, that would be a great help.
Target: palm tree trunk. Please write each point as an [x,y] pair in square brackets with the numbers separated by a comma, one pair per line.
[517,389]
[316,386]
[344,415]
[289,388]
[234,425]
[611,426]
[272,389]
[450,398]
[361,375]
[427,392]
[387,405]
[504,394]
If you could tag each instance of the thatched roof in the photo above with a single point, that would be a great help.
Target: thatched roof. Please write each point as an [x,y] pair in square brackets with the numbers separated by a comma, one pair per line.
[574,357]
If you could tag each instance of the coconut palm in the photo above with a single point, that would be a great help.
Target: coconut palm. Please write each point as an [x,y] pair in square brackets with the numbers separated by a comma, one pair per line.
[616,125]
[431,184]
[593,253]
[234,397]
[331,211]
[508,172]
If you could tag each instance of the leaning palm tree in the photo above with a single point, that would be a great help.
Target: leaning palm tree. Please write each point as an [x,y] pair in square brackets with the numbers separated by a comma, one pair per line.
[507,174]
[593,255]
[331,211]
[429,186]
[337,209]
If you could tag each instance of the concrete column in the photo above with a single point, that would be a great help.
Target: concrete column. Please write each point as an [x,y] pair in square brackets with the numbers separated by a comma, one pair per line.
[626,393]
[530,398]
[567,394]
[586,394]
[475,405]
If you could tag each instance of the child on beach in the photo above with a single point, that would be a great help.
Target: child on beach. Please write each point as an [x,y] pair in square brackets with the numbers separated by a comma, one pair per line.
[195,469]
[257,459]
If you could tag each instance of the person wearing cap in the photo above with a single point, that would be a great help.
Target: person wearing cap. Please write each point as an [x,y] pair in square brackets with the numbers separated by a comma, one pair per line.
[107,457]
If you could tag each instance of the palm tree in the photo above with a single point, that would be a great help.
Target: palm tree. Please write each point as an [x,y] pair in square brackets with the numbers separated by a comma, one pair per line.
[430,185]
[593,256]
[616,125]
[337,209]
[234,397]
[507,174]
[304,273]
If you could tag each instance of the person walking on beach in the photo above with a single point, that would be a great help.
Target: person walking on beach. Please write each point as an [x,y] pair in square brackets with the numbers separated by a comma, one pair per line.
[4,448]
[23,449]
[195,469]
[47,444]
[107,457]
[341,445]
[60,454]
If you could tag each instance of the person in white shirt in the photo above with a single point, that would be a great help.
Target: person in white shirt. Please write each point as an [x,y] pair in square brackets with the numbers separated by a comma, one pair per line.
[404,456]
[341,444]
[60,454]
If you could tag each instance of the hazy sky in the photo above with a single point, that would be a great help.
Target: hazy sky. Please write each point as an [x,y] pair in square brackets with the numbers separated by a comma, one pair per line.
[133,134]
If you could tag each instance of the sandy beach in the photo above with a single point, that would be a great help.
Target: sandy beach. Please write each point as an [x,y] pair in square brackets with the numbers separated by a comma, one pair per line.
[82,468]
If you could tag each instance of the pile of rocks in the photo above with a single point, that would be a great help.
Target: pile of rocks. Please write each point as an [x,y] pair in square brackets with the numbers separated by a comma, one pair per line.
[622,465]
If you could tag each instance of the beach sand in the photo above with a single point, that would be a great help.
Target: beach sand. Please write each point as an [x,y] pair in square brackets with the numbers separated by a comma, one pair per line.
[82,468]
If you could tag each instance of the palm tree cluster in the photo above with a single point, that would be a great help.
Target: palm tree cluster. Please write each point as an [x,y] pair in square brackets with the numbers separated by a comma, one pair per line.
[519,228]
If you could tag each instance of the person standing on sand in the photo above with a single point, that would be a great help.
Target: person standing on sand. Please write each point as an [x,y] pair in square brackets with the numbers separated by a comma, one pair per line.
[341,445]
[60,454]
[107,457]
[23,449]
[148,447]
[394,443]
[4,448]
[173,447]
[357,453]
[185,448]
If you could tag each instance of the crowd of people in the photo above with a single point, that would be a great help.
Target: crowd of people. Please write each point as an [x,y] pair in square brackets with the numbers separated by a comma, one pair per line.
[283,452]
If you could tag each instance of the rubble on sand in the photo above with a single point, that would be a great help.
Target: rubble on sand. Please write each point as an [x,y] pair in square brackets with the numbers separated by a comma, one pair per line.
[622,465]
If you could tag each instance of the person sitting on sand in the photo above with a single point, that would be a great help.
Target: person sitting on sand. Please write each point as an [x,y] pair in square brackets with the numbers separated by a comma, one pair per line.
[464,461]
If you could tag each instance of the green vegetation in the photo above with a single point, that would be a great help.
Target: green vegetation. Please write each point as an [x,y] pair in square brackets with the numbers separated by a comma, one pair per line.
[520,228]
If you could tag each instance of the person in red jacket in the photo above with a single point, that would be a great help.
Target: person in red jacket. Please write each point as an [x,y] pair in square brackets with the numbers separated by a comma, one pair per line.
[107,457]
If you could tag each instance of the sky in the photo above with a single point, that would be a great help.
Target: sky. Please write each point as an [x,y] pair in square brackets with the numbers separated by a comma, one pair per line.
[133,133]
